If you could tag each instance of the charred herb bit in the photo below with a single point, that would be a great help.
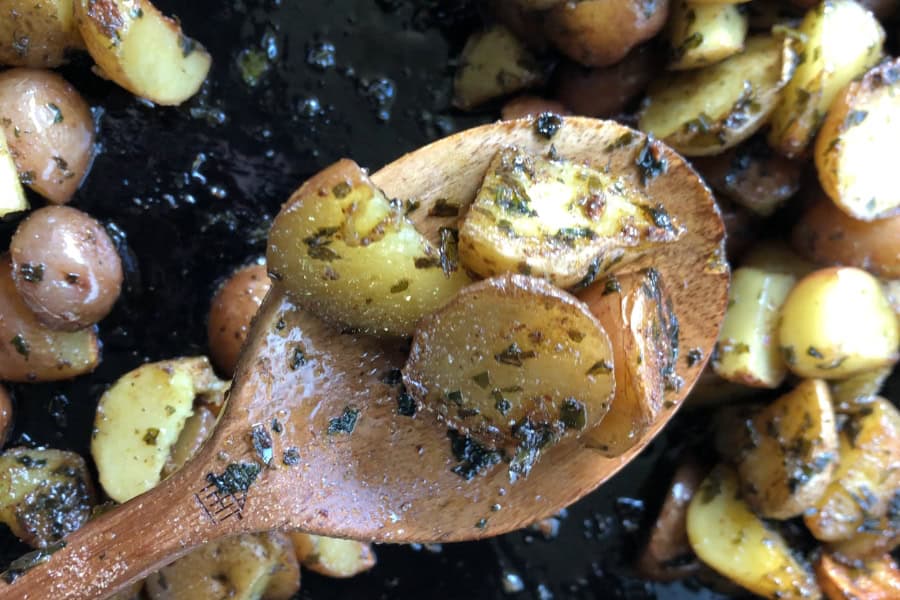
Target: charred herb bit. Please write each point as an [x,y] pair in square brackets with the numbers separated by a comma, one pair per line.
[482,379]
[237,477]
[569,235]
[502,405]
[650,161]
[449,250]
[601,367]
[345,423]
[473,457]
[31,463]
[317,244]
[291,457]
[661,219]
[392,377]
[533,438]
[406,405]
[854,117]
[411,206]
[21,345]
[514,355]
[694,356]
[32,273]
[444,208]
[400,286]
[589,277]
[262,444]
[341,190]
[56,112]
[455,397]
[573,414]
[547,124]
[298,358]
[151,436]
[28,561]
[427,262]
[611,286]
[812,351]
[513,200]
[277,427]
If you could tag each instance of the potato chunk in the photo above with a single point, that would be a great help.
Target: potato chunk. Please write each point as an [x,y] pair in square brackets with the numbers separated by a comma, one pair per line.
[702,34]
[332,557]
[12,196]
[875,579]
[737,544]
[841,41]
[793,454]
[44,494]
[347,253]
[555,219]
[142,50]
[139,419]
[853,150]
[837,322]
[37,34]
[514,363]
[706,111]
[867,478]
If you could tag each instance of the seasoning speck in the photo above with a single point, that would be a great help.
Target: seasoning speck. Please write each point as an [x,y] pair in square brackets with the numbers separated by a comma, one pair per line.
[345,423]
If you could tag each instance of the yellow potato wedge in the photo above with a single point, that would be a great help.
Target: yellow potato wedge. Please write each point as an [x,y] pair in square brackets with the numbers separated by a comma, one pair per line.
[197,428]
[332,557]
[701,34]
[841,41]
[875,579]
[142,50]
[706,111]
[12,196]
[37,34]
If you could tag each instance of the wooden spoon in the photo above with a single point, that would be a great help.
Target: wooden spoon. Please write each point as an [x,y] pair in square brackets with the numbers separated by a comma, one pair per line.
[391,479]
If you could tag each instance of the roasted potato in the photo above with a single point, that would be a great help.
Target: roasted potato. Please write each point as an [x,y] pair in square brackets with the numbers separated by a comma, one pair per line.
[494,63]
[794,452]
[828,236]
[526,105]
[29,351]
[526,25]
[727,536]
[853,168]
[865,484]
[326,239]
[831,58]
[747,351]
[879,537]
[37,34]
[142,50]
[892,292]
[742,228]
[332,557]
[44,494]
[857,392]
[49,129]
[12,196]
[599,33]
[776,256]
[232,310]
[552,218]
[837,322]
[704,33]
[875,579]
[515,363]
[6,415]
[140,418]
[637,314]
[708,110]
[197,428]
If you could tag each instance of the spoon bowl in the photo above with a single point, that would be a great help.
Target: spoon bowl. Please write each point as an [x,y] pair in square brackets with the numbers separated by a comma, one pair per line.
[315,437]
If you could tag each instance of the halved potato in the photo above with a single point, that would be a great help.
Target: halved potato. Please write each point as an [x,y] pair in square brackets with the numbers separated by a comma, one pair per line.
[555,219]
[12,196]
[875,579]
[332,557]
[636,312]
[853,148]
[139,419]
[747,351]
[841,41]
[837,322]
[794,452]
[857,392]
[879,537]
[708,110]
[350,255]
[865,484]
[44,494]
[37,34]
[142,50]
[704,33]
[197,428]
[515,363]
[737,544]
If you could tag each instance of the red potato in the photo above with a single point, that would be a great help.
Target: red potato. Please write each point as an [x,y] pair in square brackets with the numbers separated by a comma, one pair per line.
[231,313]
[531,106]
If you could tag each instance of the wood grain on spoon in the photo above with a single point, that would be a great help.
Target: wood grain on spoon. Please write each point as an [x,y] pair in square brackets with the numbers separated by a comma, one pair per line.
[391,478]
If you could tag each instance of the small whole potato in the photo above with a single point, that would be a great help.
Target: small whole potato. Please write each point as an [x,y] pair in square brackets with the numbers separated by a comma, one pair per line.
[49,129]
[6,415]
[233,308]
[66,267]
[37,34]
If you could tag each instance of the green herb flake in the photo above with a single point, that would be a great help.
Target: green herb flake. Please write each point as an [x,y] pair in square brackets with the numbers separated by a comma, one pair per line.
[601,367]
[427,262]
[482,379]
[150,436]
[291,457]
[455,397]
[345,423]
[473,457]
[21,345]
[650,161]
[32,272]
[854,117]
[170,410]
[56,112]
[570,235]
[611,286]
[262,444]
[514,355]
[573,414]
[449,249]
[694,356]
[400,286]
[277,427]
[444,208]
[237,477]
[502,405]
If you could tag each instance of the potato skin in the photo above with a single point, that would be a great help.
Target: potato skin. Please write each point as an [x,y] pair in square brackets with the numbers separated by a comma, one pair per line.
[599,33]
[37,34]
[66,267]
[332,557]
[49,129]
[524,106]
[876,579]
[232,310]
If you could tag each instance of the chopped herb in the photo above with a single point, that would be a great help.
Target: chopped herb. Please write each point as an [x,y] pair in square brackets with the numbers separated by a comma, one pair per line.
[28,561]
[573,414]
[575,335]
[660,218]
[482,379]
[412,206]
[611,286]
[406,405]
[694,356]
[262,443]
[427,262]
[473,457]
[449,250]
[136,12]
[455,396]
[323,253]
[291,457]
[392,377]
[620,142]
[31,463]
[533,438]
[547,124]
[298,358]
[589,277]
[150,436]
[277,427]
[513,201]
[650,161]
[318,244]
[400,286]
[237,477]
[502,405]
[21,345]
[569,235]
[855,117]
[32,273]
[514,355]
[481,524]
[170,410]
[603,367]
[341,190]
[345,423]
[812,351]
[56,112]
[444,208]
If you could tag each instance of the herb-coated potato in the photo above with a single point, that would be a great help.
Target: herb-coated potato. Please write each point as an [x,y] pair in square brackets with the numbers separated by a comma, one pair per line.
[6,415]
[727,536]
[793,454]
[599,33]
[49,129]
[12,196]
[852,149]
[37,34]
[706,111]
[828,236]
[326,239]
[636,313]
[747,351]
[284,578]
[705,33]
[837,322]
[841,41]
[865,484]
[526,105]
[29,350]
[876,539]
[556,219]
[511,356]
[332,557]
[197,428]
[875,579]
[140,418]
[142,50]
[232,310]
[494,63]
[44,494]
[857,392]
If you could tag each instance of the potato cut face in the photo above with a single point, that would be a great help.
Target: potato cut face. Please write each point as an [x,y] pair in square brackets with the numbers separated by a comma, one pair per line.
[514,363]
[709,110]
[350,255]
[140,418]
[551,218]
[44,494]
[747,351]
[332,557]
[737,544]
[142,50]
[12,196]
[853,150]
[794,452]
[842,40]
[703,34]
